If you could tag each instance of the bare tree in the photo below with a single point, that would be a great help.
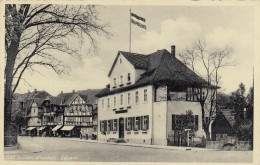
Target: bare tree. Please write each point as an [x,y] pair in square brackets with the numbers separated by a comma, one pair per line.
[41,35]
[208,61]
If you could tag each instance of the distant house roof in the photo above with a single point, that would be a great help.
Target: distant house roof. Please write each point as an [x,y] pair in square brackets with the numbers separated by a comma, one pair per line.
[228,114]
[56,100]
[87,95]
[34,94]
[161,67]
[91,94]
[38,101]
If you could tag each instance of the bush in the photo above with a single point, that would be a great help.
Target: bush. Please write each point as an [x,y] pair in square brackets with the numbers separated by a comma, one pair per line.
[202,143]
[244,131]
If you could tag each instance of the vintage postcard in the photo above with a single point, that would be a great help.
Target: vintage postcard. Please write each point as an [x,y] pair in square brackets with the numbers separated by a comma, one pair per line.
[93,81]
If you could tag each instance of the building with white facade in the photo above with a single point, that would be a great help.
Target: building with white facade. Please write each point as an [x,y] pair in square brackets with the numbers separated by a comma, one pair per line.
[147,97]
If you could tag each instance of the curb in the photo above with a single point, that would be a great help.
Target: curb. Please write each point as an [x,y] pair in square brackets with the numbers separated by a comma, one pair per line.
[149,146]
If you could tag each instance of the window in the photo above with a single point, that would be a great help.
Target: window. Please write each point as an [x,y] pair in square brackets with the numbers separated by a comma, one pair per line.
[146,123]
[129,98]
[115,102]
[136,97]
[114,81]
[203,94]
[108,102]
[180,122]
[128,123]
[102,126]
[121,79]
[115,125]
[102,103]
[121,99]
[145,95]
[128,77]
[137,123]
[109,125]
[193,94]
[120,60]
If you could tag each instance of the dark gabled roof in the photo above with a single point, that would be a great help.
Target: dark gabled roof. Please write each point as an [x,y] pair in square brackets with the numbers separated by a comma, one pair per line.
[56,100]
[70,99]
[229,115]
[87,95]
[66,95]
[91,94]
[38,101]
[84,97]
[161,67]
[35,94]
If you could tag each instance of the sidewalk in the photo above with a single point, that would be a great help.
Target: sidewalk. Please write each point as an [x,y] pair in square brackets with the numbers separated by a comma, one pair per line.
[23,147]
[147,145]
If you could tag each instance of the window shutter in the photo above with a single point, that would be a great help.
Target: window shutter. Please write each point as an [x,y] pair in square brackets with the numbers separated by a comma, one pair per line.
[196,122]
[101,126]
[173,122]
[105,125]
[126,124]
[132,123]
[111,125]
[147,126]
[116,125]
[142,122]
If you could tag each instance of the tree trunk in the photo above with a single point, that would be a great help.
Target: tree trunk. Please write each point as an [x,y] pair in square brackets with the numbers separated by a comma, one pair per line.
[204,124]
[8,97]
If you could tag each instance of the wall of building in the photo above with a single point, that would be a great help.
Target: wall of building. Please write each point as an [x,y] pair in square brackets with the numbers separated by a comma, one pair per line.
[137,109]
[34,120]
[159,118]
[78,112]
[180,107]
[122,69]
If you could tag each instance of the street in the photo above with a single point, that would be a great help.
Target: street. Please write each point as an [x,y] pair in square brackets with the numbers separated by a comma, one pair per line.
[69,149]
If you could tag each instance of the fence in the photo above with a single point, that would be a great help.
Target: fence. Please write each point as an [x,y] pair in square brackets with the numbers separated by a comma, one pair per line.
[238,145]
[10,141]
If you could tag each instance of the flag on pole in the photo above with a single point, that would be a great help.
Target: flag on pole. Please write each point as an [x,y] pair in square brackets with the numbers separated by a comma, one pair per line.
[137,20]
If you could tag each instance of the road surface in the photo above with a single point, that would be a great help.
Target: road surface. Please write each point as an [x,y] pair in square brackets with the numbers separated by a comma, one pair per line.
[67,149]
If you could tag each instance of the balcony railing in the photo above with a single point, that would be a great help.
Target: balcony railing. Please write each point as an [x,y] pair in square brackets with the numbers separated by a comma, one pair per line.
[49,114]
[78,114]
[52,123]
[78,123]
[34,124]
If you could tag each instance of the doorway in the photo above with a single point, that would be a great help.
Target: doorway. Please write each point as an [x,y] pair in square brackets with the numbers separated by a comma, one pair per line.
[121,128]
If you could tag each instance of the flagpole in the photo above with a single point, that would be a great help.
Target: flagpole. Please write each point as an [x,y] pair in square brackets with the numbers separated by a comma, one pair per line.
[130,33]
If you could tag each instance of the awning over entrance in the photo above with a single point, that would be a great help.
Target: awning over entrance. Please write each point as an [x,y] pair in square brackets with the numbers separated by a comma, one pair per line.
[30,128]
[67,128]
[41,128]
[57,128]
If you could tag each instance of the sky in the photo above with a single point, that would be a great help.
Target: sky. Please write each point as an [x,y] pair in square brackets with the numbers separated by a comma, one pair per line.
[220,26]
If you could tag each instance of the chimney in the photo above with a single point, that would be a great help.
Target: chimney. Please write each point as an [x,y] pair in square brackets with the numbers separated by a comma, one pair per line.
[61,92]
[73,91]
[173,50]
[35,90]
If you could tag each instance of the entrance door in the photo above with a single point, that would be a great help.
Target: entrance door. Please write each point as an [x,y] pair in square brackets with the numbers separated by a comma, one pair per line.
[121,128]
